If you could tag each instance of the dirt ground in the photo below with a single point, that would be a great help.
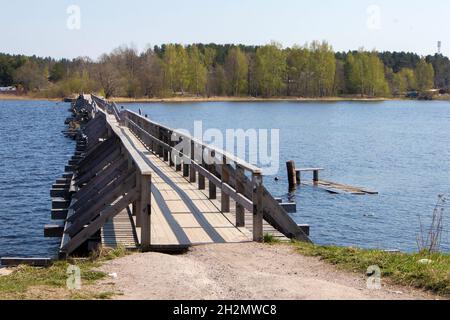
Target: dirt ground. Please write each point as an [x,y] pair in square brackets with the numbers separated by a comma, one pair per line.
[241,271]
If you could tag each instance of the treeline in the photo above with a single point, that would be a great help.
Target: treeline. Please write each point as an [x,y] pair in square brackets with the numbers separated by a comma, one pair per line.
[313,70]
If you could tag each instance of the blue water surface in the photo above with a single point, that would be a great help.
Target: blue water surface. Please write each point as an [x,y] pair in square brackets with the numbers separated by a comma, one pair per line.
[33,153]
[399,148]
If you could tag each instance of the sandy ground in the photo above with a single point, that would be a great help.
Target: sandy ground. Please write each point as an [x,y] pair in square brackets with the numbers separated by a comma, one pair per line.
[5,272]
[240,271]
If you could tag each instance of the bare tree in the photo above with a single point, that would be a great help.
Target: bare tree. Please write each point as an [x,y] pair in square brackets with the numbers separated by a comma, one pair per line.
[108,76]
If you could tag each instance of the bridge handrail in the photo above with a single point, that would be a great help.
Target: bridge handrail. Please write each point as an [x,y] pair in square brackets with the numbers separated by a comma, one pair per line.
[230,158]
[110,108]
[248,192]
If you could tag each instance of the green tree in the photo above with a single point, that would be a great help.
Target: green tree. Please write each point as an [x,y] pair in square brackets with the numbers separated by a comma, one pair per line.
[403,81]
[31,76]
[176,68]
[298,70]
[270,70]
[236,67]
[197,71]
[57,72]
[365,74]
[323,68]
[424,75]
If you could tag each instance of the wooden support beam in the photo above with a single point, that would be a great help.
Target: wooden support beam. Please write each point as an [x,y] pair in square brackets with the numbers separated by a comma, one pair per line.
[240,189]
[101,181]
[81,218]
[60,193]
[108,213]
[113,157]
[201,182]
[145,211]
[59,214]
[225,198]
[212,169]
[316,176]
[61,186]
[192,173]
[53,231]
[185,170]
[305,228]
[60,203]
[104,147]
[292,178]
[33,262]
[258,213]
[91,169]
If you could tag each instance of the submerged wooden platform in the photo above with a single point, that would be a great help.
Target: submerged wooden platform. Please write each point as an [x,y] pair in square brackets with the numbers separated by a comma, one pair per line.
[338,188]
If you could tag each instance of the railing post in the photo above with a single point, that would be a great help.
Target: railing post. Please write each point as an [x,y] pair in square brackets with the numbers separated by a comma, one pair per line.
[160,147]
[185,160]
[178,165]
[240,188]
[212,169]
[225,199]
[145,211]
[192,176]
[258,214]
[201,179]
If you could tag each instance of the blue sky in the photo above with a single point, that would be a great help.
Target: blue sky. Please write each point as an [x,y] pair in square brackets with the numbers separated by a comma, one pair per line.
[40,26]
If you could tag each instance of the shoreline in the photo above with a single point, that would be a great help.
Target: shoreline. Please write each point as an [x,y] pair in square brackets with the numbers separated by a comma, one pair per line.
[245,99]
[207,99]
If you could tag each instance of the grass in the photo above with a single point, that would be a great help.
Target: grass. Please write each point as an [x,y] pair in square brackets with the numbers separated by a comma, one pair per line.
[399,268]
[270,239]
[34,283]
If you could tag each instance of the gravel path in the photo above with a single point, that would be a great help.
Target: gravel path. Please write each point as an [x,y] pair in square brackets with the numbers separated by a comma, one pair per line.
[240,271]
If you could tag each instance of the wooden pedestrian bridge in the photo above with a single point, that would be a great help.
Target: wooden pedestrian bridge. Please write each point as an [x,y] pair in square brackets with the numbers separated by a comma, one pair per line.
[129,185]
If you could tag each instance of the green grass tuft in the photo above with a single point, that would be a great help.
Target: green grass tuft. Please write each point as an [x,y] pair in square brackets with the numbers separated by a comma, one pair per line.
[24,278]
[270,239]
[401,268]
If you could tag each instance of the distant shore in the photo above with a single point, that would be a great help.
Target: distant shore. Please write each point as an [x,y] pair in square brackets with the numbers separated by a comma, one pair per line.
[242,99]
[205,99]
[193,99]
[26,97]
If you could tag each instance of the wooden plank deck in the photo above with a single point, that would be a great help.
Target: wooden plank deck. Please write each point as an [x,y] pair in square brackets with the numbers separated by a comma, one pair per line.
[182,215]
[120,231]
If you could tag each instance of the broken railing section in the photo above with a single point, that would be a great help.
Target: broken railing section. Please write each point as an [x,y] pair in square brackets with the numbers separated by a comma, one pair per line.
[234,178]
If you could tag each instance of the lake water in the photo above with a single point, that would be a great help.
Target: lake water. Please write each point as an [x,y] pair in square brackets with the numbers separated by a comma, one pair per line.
[400,149]
[33,153]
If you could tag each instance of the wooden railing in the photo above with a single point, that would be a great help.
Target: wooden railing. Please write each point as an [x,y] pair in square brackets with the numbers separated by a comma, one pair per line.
[235,178]
[110,177]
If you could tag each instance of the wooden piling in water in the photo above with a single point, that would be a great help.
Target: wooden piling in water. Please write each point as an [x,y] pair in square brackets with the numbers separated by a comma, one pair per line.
[292,178]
